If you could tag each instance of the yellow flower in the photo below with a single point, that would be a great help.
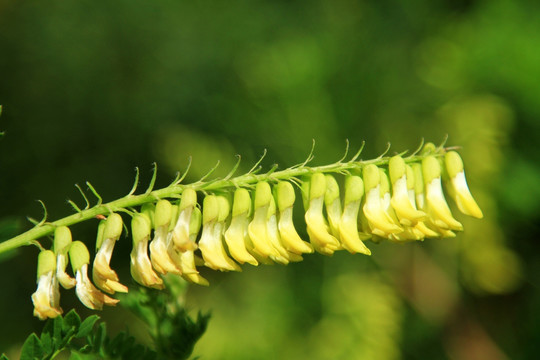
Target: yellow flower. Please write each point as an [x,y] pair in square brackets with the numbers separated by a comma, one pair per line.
[87,293]
[62,242]
[187,257]
[275,238]
[458,185]
[104,277]
[141,267]
[46,299]
[317,228]
[290,238]
[160,245]
[406,212]
[180,233]
[348,226]
[215,212]
[437,209]
[378,219]
[237,233]
[258,227]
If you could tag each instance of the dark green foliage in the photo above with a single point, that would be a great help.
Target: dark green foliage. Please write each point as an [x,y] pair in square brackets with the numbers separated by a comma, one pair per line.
[84,340]
[174,332]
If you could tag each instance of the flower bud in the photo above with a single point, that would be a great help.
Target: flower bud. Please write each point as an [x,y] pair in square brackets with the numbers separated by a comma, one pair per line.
[46,263]
[141,267]
[47,296]
[258,227]
[237,233]
[149,210]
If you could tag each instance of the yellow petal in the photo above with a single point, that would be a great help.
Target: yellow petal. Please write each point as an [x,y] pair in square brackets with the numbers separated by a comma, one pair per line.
[438,209]
[235,237]
[289,236]
[348,229]
[318,230]
[141,268]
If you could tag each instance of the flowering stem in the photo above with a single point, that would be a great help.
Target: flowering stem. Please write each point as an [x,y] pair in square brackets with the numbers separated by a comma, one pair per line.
[123,204]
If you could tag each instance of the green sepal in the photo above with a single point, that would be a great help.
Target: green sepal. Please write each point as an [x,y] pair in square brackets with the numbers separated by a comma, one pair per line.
[410,177]
[332,190]
[285,195]
[396,168]
[453,163]
[210,210]
[46,262]
[100,233]
[418,178]
[224,208]
[140,228]
[241,202]
[189,198]
[263,194]
[354,189]
[384,182]
[371,177]
[78,256]
[163,214]
[317,187]
[429,148]
[62,240]
[174,216]
[113,226]
[431,169]
[149,209]
[195,221]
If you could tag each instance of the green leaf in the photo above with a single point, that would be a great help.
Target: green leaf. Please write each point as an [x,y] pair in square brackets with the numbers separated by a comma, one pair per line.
[3,357]
[47,343]
[86,326]
[72,319]
[32,348]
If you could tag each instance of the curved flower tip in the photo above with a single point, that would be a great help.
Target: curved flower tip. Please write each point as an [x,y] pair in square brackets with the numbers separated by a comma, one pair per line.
[46,299]
[291,240]
[64,279]
[379,221]
[460,190]
[407,214]
[348,229]
[88,294]
[189,272]
[141,268]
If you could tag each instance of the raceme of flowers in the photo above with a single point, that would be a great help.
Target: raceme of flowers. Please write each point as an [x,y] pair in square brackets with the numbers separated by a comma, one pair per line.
[401,201]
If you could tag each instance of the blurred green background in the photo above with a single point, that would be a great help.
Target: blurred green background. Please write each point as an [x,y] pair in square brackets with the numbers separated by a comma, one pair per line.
[92,89]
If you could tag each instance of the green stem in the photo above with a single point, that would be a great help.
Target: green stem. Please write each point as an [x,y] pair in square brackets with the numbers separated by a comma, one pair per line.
[29,237]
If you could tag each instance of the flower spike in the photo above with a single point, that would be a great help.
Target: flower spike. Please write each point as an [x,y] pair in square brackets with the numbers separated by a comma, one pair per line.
[46,299]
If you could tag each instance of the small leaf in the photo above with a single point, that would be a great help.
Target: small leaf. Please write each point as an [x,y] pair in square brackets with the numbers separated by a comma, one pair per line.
[32,348]
[58,324]
[86,326]
[47,343]
[72,320]
[3,357]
